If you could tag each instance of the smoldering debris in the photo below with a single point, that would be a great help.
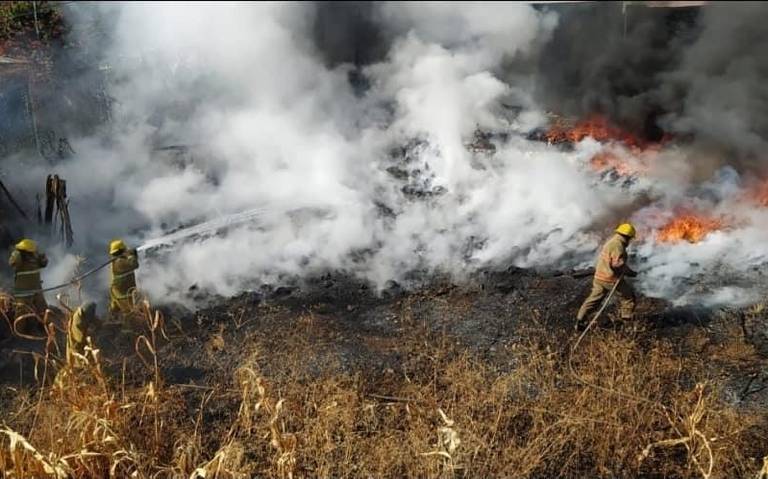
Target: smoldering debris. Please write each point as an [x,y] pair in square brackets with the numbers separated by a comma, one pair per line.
[295,114]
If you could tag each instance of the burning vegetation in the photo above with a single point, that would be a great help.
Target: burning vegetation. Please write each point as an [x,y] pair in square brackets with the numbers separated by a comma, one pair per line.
[623,152]
[688,227]
[321,374]
[596,127]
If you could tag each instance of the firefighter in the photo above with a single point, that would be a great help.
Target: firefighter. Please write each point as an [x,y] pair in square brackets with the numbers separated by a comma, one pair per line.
[27,262]
[123,284]
[83,324]
[611,267]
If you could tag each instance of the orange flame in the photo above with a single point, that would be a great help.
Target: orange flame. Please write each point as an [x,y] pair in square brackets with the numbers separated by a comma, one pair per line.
[595,126]
[758,194]
[688,227]
[625,163]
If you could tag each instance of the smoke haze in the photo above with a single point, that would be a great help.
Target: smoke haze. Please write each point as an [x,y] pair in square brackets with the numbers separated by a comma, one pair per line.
[345,127]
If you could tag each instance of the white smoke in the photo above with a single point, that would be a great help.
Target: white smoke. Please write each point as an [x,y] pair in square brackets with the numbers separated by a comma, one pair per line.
[724,267]
[274,129]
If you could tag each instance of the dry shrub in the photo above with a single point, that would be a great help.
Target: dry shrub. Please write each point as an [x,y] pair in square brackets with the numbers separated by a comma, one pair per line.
[643,412]
[622,410]
[82,423]
[625,411]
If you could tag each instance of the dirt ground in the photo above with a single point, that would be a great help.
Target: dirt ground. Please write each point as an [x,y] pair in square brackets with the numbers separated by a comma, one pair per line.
[334,326]
[350,328]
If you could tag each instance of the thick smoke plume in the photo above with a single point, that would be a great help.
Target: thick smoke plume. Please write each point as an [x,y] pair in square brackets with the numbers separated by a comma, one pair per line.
[342,132]
[721,82]
[692,72]
[608,59]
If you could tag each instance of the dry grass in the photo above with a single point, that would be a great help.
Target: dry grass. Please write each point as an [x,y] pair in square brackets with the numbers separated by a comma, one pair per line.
[630,411]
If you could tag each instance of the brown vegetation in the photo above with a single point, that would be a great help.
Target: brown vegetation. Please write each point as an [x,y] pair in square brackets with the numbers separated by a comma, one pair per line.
[631,406]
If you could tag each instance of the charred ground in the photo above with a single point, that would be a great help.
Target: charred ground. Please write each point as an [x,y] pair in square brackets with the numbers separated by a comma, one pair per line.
[357,383]
[349,325]
[326,378]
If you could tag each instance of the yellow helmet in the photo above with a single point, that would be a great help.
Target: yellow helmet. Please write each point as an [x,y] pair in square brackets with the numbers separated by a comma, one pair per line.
[27,245]
[116,246]
[626,229]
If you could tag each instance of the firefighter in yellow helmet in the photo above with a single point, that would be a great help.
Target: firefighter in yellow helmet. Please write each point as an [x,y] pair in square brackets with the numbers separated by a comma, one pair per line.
[27,262]
[610,267]
[123,284]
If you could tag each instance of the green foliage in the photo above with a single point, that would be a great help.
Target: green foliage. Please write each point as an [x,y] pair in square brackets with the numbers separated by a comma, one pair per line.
[19,17]
[12,16]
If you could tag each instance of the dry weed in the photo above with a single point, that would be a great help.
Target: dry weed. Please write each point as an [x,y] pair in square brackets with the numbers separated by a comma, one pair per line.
[634,410]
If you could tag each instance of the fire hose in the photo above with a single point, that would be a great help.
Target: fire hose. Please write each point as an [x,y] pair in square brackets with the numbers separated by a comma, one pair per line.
[584,382]
[218,223]
[666,411]
[597,315]
[71,282]
[74,280]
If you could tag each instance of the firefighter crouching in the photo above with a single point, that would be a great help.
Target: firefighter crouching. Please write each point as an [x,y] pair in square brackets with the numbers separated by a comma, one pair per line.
[83,324]
[611,267]
[123,283]
[80,329]
[27,263]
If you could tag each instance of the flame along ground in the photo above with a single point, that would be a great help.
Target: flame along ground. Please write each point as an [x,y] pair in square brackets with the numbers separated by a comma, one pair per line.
[688,227]
[627,155]
[623,152]
[597,127]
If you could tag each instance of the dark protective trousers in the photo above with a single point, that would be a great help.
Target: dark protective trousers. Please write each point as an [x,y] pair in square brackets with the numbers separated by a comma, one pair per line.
[600,290]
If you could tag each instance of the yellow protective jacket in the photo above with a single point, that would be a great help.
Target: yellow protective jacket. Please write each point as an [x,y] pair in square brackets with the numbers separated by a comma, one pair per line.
[123,278]
[83,324]
[612,260]
[27,268]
